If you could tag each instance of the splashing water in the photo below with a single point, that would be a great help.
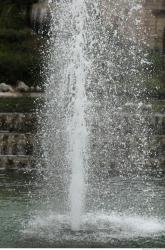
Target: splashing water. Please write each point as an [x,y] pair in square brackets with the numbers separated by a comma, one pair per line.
[76,116]
[71,65]
[94,79]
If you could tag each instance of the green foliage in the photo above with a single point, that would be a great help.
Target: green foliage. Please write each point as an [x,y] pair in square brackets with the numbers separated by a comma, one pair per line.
[12,16]
[12,35]
[18,66]
[19,55]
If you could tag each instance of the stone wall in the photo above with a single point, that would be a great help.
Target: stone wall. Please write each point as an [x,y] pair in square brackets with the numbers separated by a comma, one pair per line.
[155,21]
[18,130]
[152,20]
[16,141]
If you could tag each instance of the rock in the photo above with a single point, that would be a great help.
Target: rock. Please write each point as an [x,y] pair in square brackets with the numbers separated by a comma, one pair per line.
[22,87]
[5,88]
[38,89]
[32,89]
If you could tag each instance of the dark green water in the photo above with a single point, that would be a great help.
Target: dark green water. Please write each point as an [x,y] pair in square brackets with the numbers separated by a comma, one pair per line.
[132,214]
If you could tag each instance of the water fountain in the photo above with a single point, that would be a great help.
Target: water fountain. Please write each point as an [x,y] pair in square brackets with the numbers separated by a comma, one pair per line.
[83,55]
[95,126]
[96,182]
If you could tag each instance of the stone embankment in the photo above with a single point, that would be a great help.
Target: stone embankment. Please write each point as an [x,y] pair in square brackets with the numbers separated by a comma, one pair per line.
[18,126]
[17,130]
[20,87]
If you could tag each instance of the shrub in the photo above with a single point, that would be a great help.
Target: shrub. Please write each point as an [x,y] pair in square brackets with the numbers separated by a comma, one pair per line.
[19,55]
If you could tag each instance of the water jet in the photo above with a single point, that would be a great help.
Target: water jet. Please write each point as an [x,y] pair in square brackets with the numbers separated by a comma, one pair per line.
[94,122]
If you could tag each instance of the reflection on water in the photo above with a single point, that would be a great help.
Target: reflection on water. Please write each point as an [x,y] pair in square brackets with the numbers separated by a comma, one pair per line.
[133,216]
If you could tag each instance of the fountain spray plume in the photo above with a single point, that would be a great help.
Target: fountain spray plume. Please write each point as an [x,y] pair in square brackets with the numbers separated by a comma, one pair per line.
[65,136]
[93,69]
[76,125]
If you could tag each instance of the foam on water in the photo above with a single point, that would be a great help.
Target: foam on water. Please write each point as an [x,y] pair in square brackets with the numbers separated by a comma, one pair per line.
[100,226]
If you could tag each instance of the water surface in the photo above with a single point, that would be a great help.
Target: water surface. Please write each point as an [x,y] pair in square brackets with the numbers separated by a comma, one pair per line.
[129,213]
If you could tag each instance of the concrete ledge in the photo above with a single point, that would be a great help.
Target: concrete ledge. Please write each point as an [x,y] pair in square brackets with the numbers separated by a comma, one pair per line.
[17,94]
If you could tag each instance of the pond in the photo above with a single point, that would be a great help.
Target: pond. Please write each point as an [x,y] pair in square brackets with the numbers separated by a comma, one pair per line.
[129,213]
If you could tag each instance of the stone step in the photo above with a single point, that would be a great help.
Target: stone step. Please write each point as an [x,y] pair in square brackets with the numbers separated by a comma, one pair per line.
[132,121]
[16,144]
[11,162]
[19,122]
[27,122]
[27,164]
[157,146]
